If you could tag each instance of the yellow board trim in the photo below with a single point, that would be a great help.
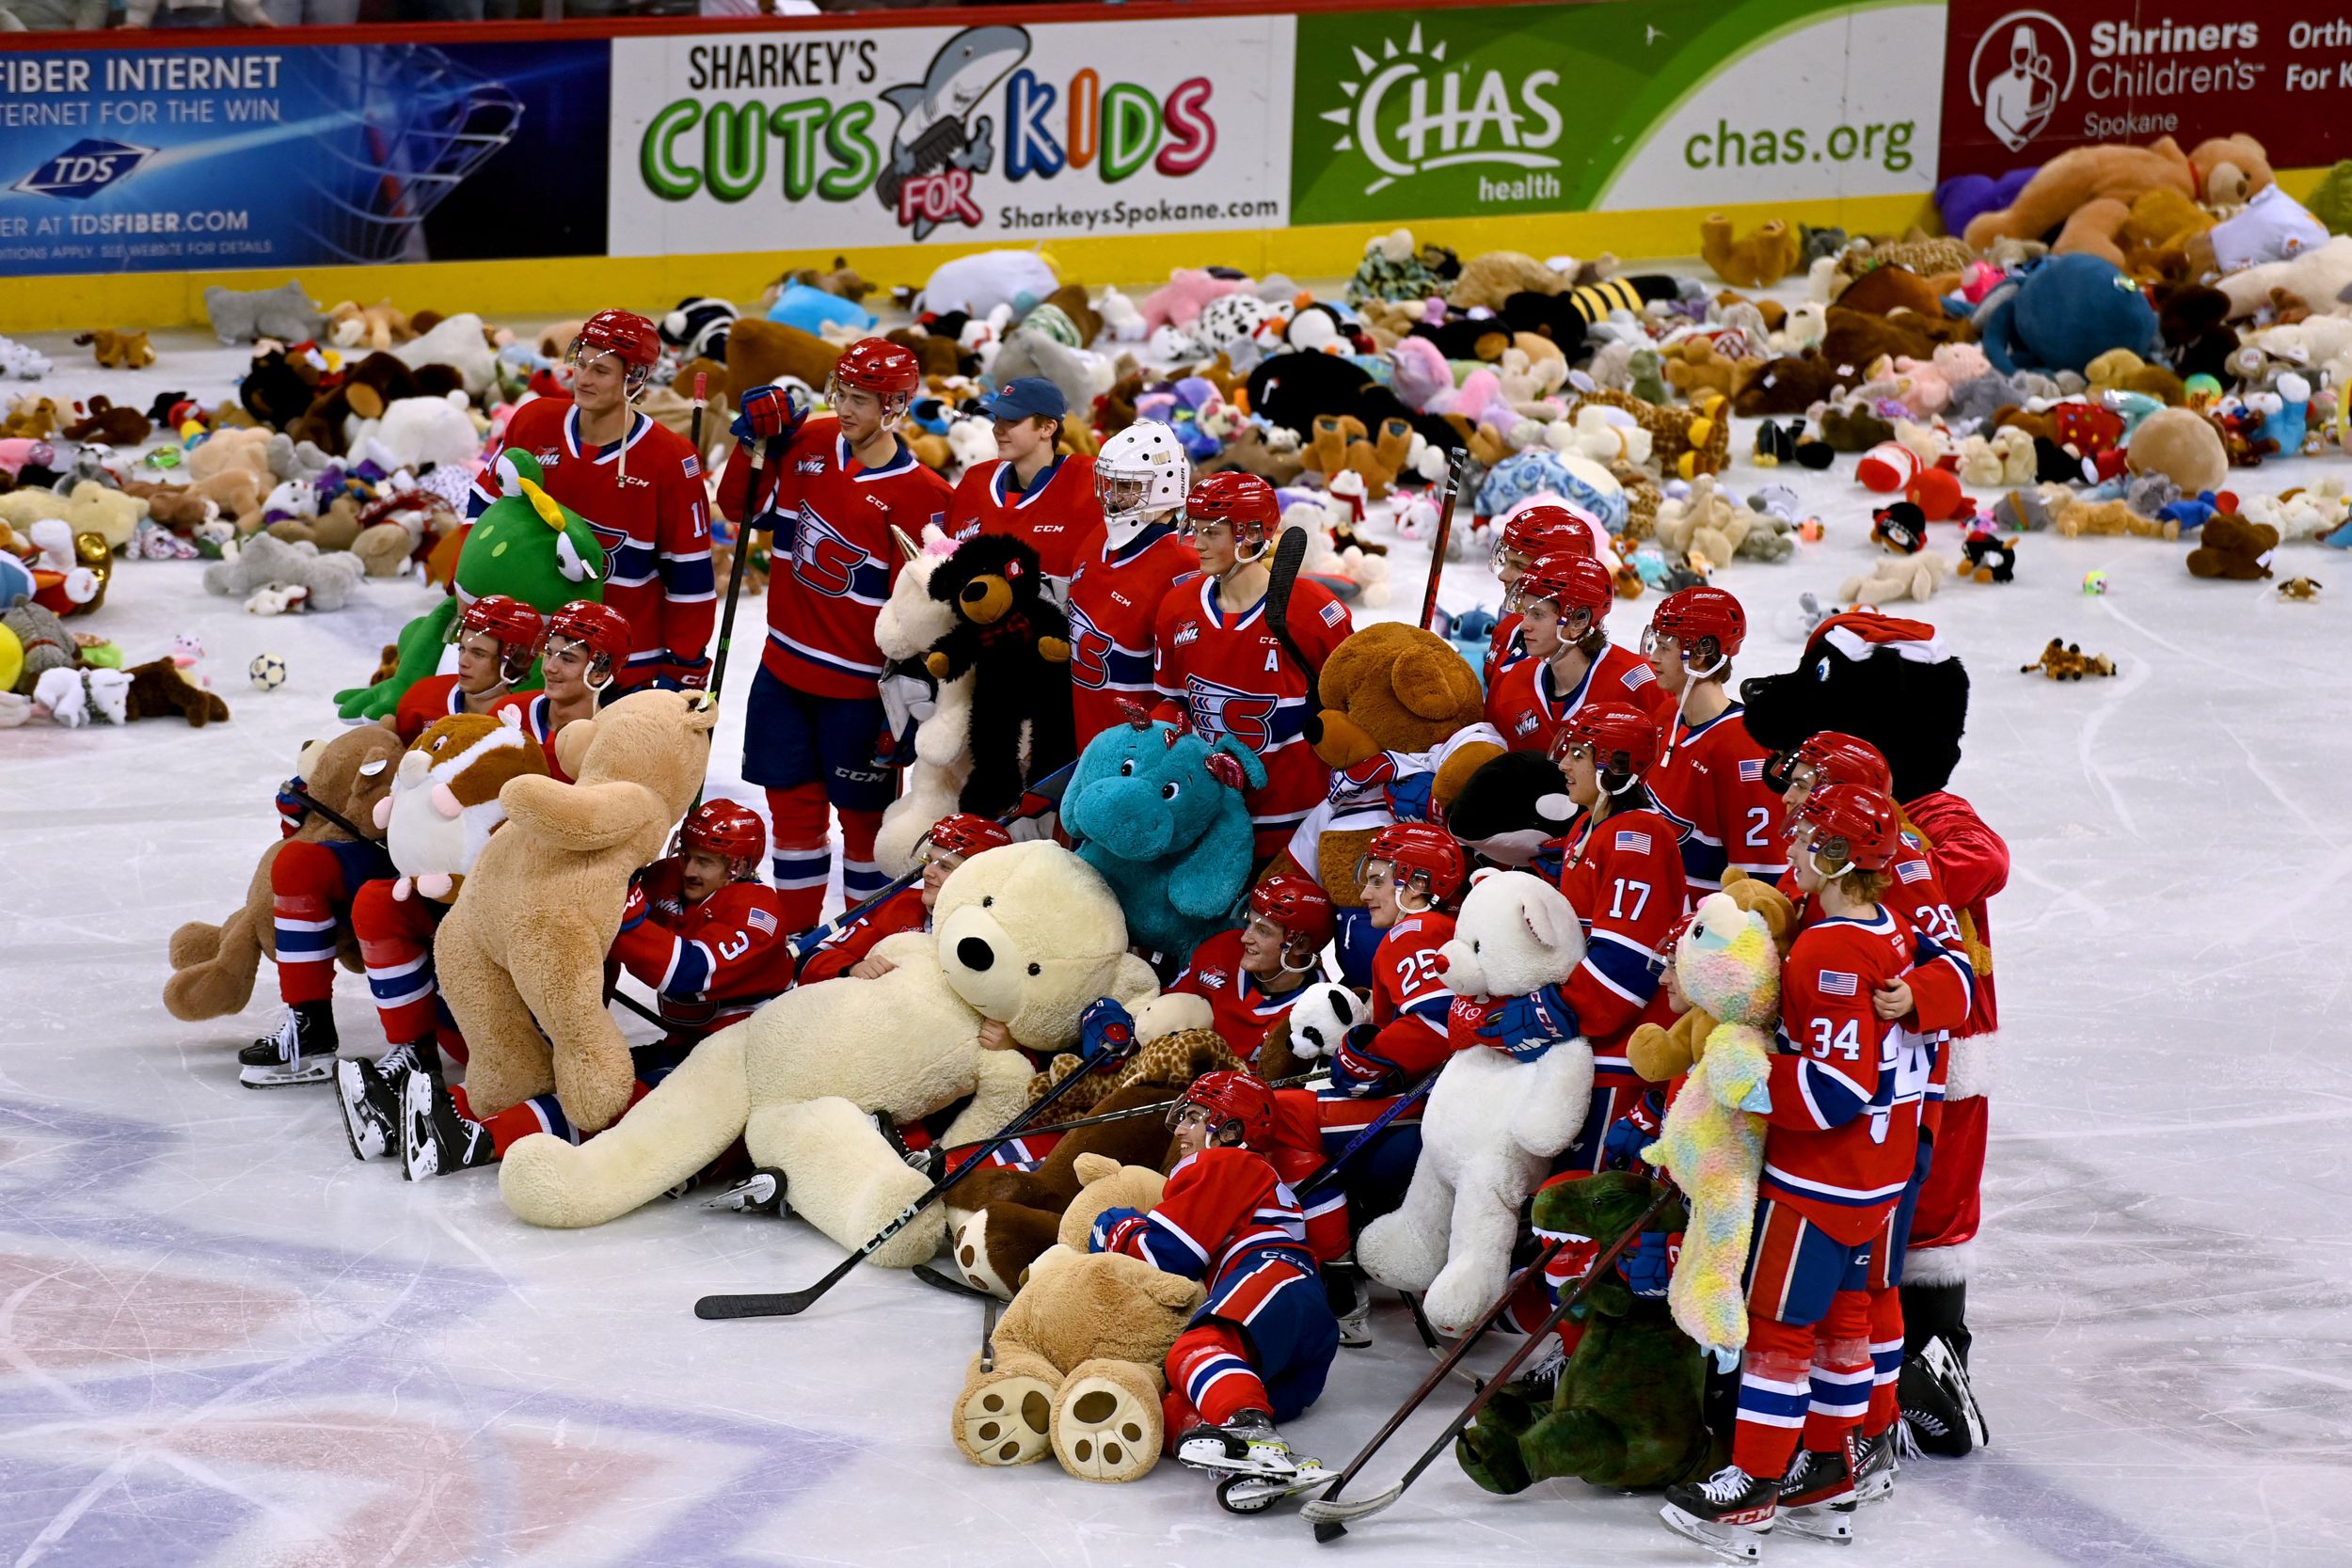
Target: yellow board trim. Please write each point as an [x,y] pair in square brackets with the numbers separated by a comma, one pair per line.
[572,286]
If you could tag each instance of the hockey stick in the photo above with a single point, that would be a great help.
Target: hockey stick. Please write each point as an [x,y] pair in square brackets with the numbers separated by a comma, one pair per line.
[1040,798]
[1457,474]
[793,1302]
[1156,1109]
[1330,1167]
[742,546]
[1331,1517]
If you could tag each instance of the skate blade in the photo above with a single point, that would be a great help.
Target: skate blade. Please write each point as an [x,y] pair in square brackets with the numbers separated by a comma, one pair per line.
[1243,1491]
[1831,1521]
[1876,1490]
[283,1076]
[1732,1542]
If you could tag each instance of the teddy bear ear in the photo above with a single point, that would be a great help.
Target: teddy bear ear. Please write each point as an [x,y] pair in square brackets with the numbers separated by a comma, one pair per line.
[1425,681]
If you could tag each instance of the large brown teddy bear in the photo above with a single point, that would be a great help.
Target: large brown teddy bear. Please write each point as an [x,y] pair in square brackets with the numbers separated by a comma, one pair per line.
[2086,194]
[760,353]
[212,966]
[1001,1220]
[1075,1363]
[2230,546]
[523,949]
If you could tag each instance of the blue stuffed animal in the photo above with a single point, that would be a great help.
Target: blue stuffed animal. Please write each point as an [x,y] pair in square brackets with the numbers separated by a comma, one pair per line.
[1158,810]
[2062,312]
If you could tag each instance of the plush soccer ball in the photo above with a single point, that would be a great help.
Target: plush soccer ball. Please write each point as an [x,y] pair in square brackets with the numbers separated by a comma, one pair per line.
[2094,583]
[267,672]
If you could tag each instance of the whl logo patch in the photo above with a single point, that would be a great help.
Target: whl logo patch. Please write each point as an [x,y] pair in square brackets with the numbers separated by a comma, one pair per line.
[84,169]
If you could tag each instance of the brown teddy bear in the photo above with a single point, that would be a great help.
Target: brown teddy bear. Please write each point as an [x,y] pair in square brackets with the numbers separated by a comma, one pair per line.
[158,690]
[1789,385]
[114,423]
[212,966]
[126,350]
[1075,1365]
[1660,1054]
[1757,261]
[2160,238]
[523,949]
[763,352]
[2086,194]
[1693,366]
[2230,546]
[1883,291]
[1489,279]
[1340,444]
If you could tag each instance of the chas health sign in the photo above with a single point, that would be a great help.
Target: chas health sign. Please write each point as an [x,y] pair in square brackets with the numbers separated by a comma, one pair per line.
[811,140]
[1624,105]
[187,159]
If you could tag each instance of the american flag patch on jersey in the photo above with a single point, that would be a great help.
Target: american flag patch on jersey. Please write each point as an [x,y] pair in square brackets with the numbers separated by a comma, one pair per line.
[1638,677]
[1332,613]
[1913,871]
[760,920]
[1836,982]
[1751,769]
[1636,842]
[692,464]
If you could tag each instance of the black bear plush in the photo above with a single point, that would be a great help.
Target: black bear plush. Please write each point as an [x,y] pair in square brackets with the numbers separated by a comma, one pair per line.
[1016,643]
[1889,681]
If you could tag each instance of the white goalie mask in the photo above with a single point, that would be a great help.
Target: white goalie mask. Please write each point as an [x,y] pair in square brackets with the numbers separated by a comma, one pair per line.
[1140,474]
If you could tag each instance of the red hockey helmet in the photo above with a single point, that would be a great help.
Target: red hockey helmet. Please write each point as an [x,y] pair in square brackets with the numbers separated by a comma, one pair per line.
[1545,529]
[731,832]
[1845,759]
[889,371]
[624,334]
[1622,739]
[1568,580]
[1416,850]
[1851,825]
[1689,615]
[603,629]
[963,835]
[1296,904]
[1243,502]
[1231,1098]
[515,624]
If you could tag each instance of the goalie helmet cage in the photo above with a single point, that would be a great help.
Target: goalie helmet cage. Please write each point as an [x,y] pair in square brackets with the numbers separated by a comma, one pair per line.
[416,124]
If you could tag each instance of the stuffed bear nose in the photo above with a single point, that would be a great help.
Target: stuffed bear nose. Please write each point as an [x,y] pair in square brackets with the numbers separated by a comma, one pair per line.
[975,953]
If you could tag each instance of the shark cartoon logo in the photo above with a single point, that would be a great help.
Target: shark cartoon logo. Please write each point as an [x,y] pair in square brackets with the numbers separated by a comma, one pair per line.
[1218,709]
[938,147]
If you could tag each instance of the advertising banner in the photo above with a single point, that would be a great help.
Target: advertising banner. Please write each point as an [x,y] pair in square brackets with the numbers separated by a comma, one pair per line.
[170,159]
[2021,85]
[815,141]
[1627,104]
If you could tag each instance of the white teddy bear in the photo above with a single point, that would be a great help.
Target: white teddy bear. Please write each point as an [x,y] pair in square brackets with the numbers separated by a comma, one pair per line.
[1494,1120]
[910,621]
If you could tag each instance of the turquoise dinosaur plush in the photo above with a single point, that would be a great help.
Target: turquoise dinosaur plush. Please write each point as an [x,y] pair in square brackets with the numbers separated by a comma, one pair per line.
[1158,810]
[525,544]
[1626,1412]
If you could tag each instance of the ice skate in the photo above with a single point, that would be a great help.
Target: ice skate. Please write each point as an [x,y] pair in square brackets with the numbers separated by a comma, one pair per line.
[761,1192]
[371,1106]
[1817,1497]
[300,1051]
[1730,1512]
[1258,1467]
[1938,1405]
[435,1139]
[1351,1303]
[1874,1467]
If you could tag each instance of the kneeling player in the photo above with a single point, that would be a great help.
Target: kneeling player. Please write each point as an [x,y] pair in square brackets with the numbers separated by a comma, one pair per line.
[1249,978]
[953,839]
[498,640]
[587,645]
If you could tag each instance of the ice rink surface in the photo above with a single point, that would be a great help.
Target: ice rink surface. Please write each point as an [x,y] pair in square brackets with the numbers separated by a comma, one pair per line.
[225,1342]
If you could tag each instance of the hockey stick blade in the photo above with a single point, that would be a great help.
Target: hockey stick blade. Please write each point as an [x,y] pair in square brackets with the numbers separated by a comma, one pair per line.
[720,1309]
[938,1281]
[1339,1511]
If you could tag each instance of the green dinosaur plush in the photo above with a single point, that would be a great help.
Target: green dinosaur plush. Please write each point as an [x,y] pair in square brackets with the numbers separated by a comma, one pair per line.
[526,545]
[1627,1410]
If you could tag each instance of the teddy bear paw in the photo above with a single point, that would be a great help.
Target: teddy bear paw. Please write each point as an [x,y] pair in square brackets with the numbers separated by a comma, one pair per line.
[1008,1422]
[1053,650]
[1104,1432]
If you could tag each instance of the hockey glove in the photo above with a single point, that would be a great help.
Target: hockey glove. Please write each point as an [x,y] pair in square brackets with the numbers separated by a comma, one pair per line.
[1527,1027]
[634,907]
[1105,1028]
[769,414]
[1410,799]
[688,674]
[1648,1266]
[1630,1133]
[1111,1228]
[1549,856]
[1357,1070]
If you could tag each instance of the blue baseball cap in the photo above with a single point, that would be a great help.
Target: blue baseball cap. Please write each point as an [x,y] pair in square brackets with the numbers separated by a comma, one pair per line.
[1028,396]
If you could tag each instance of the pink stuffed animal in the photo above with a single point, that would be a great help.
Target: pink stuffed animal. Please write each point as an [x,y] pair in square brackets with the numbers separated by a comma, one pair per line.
[1928,391]
[1961,363]
[17,451]
[1423,374]
[1178,302]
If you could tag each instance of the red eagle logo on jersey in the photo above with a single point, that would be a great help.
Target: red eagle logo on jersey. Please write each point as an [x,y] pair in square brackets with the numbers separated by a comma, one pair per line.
[823,558]
[1218,710]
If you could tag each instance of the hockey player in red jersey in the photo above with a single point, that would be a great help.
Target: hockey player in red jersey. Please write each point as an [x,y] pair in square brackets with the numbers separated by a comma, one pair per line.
[953,839]
[832,488]
[1564,598]
[1125,572]
[1249,978]
[313,887]
[640,486]
[1032,491]
[1258,1351]
[1841,1108]
[699,929]
[1218,663]
[498,640]
[1525,537]
[587,645]
[1710,783]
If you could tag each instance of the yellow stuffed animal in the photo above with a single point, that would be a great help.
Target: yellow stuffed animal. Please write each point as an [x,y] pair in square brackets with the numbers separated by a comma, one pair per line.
[1757,261]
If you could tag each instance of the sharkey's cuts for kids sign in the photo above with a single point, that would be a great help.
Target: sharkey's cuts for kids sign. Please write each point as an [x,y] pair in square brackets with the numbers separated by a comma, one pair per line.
[725,143]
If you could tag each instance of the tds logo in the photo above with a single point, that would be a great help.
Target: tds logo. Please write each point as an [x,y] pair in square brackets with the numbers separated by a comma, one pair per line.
[2022,70]
[84,169]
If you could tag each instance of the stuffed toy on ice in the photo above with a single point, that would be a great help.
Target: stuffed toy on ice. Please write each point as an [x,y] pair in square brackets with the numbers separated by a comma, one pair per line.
[1026,936]
[1626,1412]
[2062,313]
[1159,812]
[520,954]
[927,716]
[1495,1117]
[445,799]
[1015,642]
[1075,1365]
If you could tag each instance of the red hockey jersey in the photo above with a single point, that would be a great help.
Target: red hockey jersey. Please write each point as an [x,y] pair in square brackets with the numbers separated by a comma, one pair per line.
[1411,1004]
[1530,711]
[426,703]
[649,511]
[1242,1008]
[1624,876]
[902,910]
[1503,646]
[1972,862]
[711,963]
[1231,675]
[1057,516]
[1843,1129]
[538,716]
[1711,787]
[1115,597]
[1222,1211]
[833,517]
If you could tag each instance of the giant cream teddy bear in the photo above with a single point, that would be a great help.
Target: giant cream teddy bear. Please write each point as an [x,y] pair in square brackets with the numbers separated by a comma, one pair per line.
[1494,1121]
[1024,936]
